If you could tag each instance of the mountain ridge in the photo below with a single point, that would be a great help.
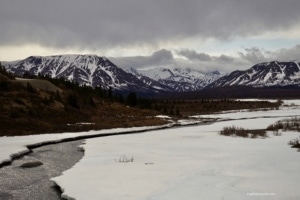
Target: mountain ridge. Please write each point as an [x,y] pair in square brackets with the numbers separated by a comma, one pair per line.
[95,71]
[266,74]
[178,79]
[92,70]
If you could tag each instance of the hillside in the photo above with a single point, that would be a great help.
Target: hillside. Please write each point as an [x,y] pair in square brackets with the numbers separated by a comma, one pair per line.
[34,105]
[30,106]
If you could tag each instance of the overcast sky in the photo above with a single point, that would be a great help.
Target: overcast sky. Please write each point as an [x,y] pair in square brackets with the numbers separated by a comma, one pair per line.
[207,34]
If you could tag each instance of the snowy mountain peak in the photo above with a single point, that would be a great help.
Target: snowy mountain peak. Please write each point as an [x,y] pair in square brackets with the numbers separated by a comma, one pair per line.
[267,74]
[178,79]
[88,70]
[94,71]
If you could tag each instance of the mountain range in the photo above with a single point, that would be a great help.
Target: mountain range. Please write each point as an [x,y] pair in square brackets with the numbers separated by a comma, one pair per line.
[92,70]
[268,74]
[176,79]
[89,70]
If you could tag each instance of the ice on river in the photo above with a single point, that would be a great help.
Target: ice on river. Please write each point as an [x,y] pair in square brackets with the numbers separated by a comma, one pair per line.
[189,163]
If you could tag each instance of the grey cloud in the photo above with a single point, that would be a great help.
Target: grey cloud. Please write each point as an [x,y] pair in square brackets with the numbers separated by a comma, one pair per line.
[165,57]
[225,59]
[255,55]
[158,58]
[244,59]
[287,54]
[107,23]
[161,57]
[193,55]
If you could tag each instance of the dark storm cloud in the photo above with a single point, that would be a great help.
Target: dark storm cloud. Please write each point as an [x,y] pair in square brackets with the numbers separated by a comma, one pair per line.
[110,23]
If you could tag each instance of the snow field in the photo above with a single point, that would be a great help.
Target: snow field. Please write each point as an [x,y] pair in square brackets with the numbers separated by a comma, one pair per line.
[17,145]
[187,163]
[180,163]
[207,167]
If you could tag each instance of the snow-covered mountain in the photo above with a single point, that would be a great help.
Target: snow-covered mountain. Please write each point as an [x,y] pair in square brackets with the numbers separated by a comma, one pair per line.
[177,79]
[263,75]
[94,71]
[88,70]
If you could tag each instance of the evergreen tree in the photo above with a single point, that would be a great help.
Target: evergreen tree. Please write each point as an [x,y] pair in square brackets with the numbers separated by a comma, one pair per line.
[110,94]
[132,99]
[165,110]
[92,102]
[177,111]
[57,96]
[29,88]
[72,101]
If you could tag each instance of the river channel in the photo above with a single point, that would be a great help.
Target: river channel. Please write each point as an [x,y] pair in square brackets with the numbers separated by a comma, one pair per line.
[28,178]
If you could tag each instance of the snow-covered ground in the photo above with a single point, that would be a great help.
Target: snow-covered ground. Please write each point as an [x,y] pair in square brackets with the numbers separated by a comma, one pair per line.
[14,146]
[181,163]
[290,108]
[190,163]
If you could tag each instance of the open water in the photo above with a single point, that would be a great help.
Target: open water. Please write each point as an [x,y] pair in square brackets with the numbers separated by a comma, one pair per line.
[17,183]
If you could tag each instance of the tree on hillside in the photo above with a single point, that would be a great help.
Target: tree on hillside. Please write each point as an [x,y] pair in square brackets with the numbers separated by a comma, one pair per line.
[5,73]
[132,99]
[72,101]
[29,88]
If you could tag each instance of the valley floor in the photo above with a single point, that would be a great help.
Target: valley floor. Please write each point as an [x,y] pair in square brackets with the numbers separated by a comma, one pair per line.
[192,162]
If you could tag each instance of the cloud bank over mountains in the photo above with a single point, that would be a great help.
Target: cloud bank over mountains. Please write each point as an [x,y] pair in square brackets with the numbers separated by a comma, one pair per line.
[205,62]
[201,33]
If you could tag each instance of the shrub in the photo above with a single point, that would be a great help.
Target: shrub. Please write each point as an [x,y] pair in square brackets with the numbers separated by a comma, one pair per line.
[241,132]
[286,124]
[295,143]
[124,159]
